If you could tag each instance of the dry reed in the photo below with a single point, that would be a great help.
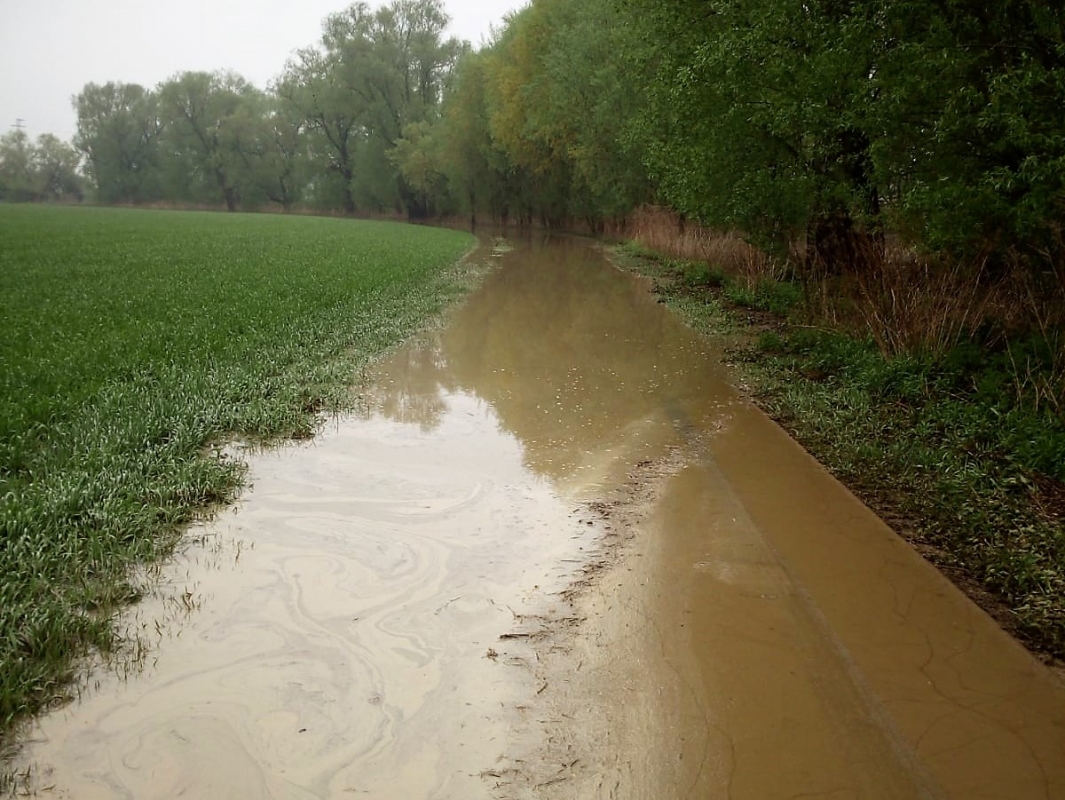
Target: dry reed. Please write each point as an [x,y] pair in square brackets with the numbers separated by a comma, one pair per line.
[911,304]
[666,233]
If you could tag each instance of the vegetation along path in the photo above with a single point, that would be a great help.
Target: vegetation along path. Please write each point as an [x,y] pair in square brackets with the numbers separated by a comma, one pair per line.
[962,450]
[556,554]
[136,344]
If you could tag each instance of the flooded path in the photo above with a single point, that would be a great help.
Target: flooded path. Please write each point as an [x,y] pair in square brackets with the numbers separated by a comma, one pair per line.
[557,557]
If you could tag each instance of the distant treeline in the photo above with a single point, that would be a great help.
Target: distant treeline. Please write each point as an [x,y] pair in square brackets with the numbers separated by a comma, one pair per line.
[830,123]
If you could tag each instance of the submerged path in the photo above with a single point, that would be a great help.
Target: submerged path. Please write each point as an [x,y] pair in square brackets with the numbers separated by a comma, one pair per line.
[558,556]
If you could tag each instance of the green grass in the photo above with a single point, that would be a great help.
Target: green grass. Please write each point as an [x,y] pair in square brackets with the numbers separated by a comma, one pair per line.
[775,297]
[705,295]
[134,343]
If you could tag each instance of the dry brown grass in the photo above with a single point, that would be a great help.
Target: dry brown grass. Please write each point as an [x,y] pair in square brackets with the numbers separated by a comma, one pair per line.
[912,304]
[1039,308]
[905,301]
[664,232]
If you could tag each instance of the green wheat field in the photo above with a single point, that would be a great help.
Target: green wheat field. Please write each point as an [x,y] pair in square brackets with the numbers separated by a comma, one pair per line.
[134,344]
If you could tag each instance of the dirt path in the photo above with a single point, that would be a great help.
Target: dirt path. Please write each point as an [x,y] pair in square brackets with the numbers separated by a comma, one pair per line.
[558,557]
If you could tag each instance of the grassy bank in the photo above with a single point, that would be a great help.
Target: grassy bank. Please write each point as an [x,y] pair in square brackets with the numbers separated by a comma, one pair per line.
[135,343]
[958,449]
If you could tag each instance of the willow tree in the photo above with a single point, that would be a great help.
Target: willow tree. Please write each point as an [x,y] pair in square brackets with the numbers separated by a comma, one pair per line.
[119,130]
[211,124]
[313,88]
[590,101]
[373,73]
[476,167]
[55,165]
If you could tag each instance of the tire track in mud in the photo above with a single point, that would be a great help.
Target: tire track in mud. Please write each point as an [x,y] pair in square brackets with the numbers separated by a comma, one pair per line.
[566,759]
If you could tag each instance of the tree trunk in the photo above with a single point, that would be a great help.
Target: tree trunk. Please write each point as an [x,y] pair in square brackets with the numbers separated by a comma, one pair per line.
[228,192]
[834,244]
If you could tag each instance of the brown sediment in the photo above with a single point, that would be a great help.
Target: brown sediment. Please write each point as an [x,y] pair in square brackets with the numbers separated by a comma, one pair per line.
[559,557]
[765,635]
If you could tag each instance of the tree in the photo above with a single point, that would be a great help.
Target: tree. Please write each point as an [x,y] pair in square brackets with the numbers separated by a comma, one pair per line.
[17,179]
[418,159]
[837,119]
[588,105]
[118,132]
[539,176]
[212,130]
[55,166]
[541,120]
[757,117]
[970,111]
[284,166]
[374,73]
[475,167]
[312,87]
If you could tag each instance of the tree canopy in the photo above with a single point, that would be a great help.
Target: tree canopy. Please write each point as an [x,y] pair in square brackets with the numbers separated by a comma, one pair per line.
[832,122]
[34,171]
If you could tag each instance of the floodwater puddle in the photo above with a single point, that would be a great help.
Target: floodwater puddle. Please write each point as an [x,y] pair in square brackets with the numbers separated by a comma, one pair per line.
[557,556]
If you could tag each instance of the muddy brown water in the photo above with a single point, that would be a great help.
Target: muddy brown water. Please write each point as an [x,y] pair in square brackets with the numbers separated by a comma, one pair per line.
[557,557]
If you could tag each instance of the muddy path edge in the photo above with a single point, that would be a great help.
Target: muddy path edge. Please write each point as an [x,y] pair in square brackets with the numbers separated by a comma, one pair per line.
[989,687]
[712,312]
[456,282]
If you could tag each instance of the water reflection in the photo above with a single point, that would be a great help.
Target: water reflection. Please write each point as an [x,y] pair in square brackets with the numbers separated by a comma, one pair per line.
[586,370]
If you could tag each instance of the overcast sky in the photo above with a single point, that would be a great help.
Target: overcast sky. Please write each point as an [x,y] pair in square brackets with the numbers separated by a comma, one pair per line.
[49,49]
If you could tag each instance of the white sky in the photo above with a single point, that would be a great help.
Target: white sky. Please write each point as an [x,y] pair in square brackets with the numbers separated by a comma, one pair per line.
[49,49]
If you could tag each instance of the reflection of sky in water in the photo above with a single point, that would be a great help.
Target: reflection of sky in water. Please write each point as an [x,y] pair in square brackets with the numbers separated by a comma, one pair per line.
[576,359]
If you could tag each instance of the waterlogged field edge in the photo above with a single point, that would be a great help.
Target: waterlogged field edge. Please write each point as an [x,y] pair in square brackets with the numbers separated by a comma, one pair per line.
[969,477]
[137,344]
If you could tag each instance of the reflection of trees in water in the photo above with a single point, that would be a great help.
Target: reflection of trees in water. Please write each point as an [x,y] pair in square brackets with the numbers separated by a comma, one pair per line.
[410,387]
[571,357]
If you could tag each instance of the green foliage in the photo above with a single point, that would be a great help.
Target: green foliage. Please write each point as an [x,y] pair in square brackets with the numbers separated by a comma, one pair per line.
[776,98]
[33,171]
[776,297]
[323,135]
[55,164]
[762,294]
[475,167]
[635,250]
[770,342]
[213,124]
[579,98]
[135,342]
[697,275]
[970,99]
[119,128]
[374,74]
[535,125]
[836,120]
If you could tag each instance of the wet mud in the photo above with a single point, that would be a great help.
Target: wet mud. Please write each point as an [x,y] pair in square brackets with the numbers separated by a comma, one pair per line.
[557,557]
